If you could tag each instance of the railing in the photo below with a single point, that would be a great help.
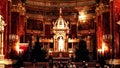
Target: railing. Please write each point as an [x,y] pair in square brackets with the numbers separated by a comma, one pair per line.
[36,65]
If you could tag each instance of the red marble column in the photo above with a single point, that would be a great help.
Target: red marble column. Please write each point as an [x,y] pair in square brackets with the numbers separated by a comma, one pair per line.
[106,22]
[103,29]
[116,15]
[14,22]
[99,31]
[21,26]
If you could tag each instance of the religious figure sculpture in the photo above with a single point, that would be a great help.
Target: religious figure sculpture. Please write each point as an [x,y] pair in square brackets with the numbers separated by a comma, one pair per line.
[2,23]
[61,44]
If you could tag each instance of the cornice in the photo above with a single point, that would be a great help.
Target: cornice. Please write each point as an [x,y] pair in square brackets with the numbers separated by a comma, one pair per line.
[47,17]
[59,4]
[61,0]
[34,31]
[35,16]
[86,31]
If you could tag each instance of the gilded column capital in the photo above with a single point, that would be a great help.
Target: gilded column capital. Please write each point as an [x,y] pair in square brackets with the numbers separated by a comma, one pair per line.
[22,10]
[105,8]
[15,8]
[98,10]
[101,8]
[19,8]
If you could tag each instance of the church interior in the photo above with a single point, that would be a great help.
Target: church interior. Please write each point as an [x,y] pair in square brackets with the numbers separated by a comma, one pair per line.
[47,33]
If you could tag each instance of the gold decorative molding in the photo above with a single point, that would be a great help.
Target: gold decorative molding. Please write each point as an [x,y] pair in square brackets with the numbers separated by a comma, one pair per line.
[35,16]
[46,40]
[60,4]
[34,32]
[75,40]
[47,23]
[19,8]
[15,8]
[22,11]
[101,8]
[86,31]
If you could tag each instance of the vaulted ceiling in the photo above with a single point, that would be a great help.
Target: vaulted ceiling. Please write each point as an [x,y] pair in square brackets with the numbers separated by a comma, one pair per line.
[68,5]
[51,7]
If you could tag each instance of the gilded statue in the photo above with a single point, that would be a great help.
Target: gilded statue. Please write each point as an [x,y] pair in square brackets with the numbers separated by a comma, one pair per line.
[2,23]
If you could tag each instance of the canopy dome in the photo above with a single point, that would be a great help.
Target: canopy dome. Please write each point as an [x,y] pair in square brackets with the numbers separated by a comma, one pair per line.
[60,22]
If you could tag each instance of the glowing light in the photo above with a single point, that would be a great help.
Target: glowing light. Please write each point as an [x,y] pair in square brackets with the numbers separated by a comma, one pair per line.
[20,47]
[82,17]
[7,62]
[61,22]
[61,44]
[17,47]
[104,47]
[99,50]
[70,51]
[50,51]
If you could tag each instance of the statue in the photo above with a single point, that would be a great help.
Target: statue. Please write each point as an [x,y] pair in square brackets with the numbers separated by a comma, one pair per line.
[2,23]
[61,44]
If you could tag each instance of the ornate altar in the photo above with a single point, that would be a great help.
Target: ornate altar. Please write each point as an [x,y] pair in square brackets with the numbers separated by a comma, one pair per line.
[60,41]
[60,30]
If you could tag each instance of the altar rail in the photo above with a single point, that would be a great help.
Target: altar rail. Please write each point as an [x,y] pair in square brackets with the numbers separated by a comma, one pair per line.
[57,54]
[43,64]
[36,65]
[46,65]
[61,60]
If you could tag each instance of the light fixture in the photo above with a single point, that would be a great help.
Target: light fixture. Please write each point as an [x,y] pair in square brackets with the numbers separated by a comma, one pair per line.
[82,17]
